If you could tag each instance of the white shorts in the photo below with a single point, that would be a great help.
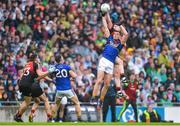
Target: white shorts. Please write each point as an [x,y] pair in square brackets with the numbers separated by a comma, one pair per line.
[64,100]
[106,65]
[67,93]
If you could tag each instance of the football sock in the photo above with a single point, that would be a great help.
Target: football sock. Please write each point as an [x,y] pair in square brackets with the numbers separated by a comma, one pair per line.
[32,111]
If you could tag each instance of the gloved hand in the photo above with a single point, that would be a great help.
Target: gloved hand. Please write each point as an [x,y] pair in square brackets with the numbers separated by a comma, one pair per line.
[119,94]
[124,81]
[122,94]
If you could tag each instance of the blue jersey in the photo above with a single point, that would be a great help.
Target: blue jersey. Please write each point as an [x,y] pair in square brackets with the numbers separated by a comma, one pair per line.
[63,77]
[111,41]
[111,49]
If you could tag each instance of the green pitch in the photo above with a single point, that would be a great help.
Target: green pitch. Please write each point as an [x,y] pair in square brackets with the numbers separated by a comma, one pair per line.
[87,124]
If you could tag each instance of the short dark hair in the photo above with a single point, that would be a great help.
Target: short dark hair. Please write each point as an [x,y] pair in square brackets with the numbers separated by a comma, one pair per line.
[32,57]
[58,58]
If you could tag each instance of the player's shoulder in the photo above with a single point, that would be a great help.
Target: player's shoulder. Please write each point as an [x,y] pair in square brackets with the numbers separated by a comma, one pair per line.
[63,66]
[67,66]
[32,64]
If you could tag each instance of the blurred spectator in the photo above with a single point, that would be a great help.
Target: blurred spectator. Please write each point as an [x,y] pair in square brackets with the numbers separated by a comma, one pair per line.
[177,93]
[11,69]
[175,101]
[163,58]
[1,90]
[11,92]
[165,101]
[150,100]
[150,115]
[5,99]
[51,91]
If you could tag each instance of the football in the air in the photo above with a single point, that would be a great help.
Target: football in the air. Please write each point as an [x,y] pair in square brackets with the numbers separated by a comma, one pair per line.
[105,7]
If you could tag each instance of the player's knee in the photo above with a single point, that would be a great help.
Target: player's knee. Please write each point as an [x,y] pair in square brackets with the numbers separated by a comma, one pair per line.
[106,86]
[77,102]
[53,109]
[98,81]
[37,101]
[45,100]
[107,82]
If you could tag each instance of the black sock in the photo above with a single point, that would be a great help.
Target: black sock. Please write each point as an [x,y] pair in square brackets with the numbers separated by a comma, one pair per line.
[79,118]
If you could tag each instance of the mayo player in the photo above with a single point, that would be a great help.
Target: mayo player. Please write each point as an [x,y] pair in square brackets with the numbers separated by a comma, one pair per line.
[63,85]
[29,88]
[115,42]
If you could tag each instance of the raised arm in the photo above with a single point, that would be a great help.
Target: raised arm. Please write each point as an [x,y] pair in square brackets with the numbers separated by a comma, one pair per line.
[105,27]
[109,22]
[124,35]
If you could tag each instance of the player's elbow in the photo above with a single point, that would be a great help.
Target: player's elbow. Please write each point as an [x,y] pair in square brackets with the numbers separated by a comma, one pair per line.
[39,72]
[126,35]
[73,74]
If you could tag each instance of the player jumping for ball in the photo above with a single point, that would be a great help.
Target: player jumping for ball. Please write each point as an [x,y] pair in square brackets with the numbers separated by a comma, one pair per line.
[118,66]
[116,38]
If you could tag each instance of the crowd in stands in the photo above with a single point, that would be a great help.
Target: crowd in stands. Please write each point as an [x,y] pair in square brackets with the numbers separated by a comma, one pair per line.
[73,29]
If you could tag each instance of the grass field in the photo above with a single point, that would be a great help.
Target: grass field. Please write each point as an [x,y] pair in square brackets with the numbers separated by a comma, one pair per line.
[87,124]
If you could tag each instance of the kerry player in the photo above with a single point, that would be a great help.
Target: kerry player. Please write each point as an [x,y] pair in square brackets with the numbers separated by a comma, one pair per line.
[63,85]
[115,42]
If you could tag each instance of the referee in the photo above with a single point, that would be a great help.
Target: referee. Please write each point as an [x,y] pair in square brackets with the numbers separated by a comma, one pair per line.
[110,100]
[130,96]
